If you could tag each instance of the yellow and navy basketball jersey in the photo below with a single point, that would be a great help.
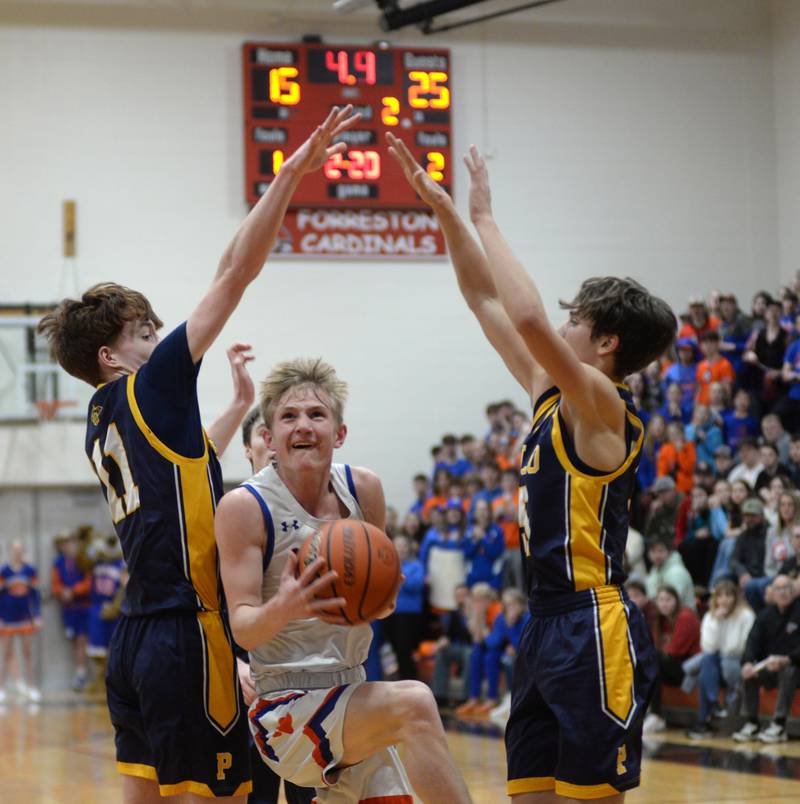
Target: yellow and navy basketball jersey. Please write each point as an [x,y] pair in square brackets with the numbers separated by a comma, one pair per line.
[162,502]
[573,518]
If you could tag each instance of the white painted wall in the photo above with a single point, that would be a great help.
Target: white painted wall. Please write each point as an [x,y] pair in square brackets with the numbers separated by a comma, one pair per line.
[786,32]
[625,137]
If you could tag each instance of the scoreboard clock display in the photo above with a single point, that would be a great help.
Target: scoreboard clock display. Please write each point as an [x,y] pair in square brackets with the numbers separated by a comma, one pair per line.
[290,88]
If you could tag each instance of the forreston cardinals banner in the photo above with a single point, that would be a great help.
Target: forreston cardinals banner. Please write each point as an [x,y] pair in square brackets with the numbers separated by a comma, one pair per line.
[366,233]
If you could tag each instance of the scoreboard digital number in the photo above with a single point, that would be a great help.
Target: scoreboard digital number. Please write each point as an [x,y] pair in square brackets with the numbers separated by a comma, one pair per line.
[290,88]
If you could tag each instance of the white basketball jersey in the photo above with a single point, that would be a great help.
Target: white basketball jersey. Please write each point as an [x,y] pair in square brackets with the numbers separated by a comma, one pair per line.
[308,653]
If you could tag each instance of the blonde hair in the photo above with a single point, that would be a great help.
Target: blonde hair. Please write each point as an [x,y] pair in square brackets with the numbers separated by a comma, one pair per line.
[302,372]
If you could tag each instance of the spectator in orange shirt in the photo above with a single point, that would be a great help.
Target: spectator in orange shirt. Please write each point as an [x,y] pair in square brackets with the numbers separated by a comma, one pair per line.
[714,368]
[677,458]
[440,495]
[699,321]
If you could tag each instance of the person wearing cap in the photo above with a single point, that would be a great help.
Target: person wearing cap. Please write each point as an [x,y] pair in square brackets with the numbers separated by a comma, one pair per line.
[683,372]
[734,329]
[749,467]
[747,561]
[698,320]
[772,659]
[663,513]
[712,368]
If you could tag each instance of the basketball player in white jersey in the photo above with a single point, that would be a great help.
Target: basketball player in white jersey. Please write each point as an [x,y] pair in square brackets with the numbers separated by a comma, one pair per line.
[316,721]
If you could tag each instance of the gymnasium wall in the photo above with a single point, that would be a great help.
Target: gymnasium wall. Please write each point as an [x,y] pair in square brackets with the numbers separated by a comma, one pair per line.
[624,136]
[786,31]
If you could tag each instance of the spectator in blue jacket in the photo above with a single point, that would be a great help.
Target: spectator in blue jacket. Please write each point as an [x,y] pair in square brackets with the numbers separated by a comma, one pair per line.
[484,548]
[402,628]
[705,433]
[495,652]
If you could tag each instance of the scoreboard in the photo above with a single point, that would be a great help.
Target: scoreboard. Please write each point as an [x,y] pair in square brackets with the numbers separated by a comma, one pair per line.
[290,88]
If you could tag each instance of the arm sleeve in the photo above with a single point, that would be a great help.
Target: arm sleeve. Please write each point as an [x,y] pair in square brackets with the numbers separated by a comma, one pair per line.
[166,392]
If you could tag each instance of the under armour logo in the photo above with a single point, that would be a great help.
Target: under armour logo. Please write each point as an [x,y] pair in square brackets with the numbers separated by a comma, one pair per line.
[295,525]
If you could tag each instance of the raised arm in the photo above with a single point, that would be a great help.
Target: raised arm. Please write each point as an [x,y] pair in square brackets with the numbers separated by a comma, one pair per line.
[239,528]
[472,269]
[245,256]
[226,425]
[588,392]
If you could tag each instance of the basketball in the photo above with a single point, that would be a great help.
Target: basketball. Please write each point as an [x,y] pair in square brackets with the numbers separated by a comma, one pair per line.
[366,561]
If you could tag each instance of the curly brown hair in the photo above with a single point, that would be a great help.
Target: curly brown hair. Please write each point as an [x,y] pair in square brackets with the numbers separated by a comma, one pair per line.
[644,324]
[77,329]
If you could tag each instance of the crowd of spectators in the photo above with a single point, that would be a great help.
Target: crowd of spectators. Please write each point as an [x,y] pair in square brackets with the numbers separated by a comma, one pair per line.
[714,544]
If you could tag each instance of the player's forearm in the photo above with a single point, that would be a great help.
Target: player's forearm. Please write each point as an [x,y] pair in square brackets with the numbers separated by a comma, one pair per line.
[254,625]
[248,251]
[517,292]
[469,260]
[226,425]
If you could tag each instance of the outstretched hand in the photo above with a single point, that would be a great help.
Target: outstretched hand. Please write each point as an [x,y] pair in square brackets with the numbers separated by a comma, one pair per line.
[427,189]
[239,356]
[480,195]
[317,149]
[297,593]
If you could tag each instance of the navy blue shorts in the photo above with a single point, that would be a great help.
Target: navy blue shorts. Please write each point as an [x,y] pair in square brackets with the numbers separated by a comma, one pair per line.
[76,622]
[175,704]
[582,682]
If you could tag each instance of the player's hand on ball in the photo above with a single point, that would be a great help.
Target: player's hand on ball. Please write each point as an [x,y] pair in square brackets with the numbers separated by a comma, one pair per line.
[317,149]
[298,593]
[480,196]
[243,389]
[427,189]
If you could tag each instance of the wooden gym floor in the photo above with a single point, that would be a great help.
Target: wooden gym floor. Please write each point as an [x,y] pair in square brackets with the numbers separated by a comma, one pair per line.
[62,751]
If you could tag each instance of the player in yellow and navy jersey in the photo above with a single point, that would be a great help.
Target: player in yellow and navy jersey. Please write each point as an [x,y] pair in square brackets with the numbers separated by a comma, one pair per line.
[586,664]
[173,692]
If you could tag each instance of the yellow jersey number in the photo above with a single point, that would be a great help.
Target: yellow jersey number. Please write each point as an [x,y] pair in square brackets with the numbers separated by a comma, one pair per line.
[530,468]
[115,449]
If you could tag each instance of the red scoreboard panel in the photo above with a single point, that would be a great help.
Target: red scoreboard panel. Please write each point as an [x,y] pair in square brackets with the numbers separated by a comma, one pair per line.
[290,88]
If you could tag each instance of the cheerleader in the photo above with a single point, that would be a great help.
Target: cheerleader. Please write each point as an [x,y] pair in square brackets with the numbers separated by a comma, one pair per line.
[20,615]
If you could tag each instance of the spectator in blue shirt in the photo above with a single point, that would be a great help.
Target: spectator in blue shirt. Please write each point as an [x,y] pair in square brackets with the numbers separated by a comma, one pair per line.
[421,492]
[684,372]
[705,433]
[490,476]
[402,628]
[674,409]
[739,424]
[484,548]
[495,652]
[449,460]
